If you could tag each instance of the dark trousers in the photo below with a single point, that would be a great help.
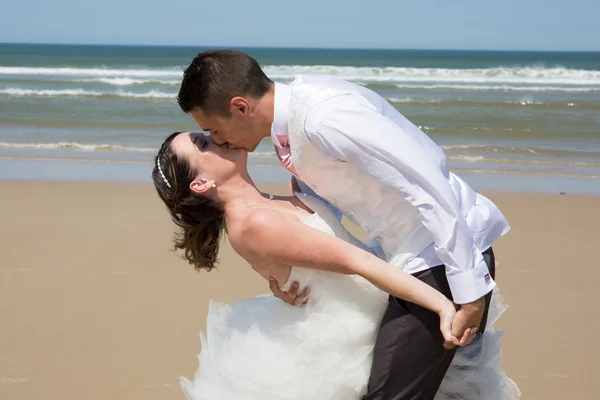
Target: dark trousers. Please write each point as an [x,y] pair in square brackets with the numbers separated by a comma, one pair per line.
[409,360]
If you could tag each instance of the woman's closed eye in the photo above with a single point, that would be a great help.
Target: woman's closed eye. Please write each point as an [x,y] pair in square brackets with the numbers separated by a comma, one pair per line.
[204,144]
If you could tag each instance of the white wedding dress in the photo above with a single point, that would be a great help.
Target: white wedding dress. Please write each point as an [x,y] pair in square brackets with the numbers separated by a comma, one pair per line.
[264,349]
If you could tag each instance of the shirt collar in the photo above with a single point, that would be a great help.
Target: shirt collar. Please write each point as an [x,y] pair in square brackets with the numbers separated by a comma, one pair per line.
[281,104]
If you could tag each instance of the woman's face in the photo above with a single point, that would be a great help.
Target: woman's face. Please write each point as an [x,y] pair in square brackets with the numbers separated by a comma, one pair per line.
[213,164]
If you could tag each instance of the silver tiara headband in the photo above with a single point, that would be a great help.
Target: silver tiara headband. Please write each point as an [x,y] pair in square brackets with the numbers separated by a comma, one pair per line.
[161,172]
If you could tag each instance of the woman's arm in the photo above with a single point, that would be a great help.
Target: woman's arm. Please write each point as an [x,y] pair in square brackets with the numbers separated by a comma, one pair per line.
[266,237]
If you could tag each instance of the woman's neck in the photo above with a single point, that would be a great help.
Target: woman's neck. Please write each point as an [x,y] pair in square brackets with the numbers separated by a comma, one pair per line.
[241,192]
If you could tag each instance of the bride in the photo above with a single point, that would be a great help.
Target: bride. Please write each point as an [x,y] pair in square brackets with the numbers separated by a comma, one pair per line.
[263,348]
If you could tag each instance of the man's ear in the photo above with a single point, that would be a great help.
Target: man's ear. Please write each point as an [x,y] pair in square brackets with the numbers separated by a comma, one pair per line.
[241,105]
[201,185]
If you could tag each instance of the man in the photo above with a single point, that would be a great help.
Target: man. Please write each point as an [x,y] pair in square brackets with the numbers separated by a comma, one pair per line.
[356,151]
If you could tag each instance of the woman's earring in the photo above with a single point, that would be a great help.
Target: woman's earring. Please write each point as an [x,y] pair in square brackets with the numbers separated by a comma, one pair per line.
[214,186]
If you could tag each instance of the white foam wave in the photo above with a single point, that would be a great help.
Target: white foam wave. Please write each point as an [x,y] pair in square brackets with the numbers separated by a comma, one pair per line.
[508,76]
[114,147]
[523,101]
[462,155]
[526,101]
[451,149]
[467,158]
[153,94]
[263,154]
[104,72]
[400,100]
[124,81]
[74,146]
[157,94]
[507,88]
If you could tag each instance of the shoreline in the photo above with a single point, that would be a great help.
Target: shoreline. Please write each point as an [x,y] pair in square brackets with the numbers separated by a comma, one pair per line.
[264,170]
[269,187]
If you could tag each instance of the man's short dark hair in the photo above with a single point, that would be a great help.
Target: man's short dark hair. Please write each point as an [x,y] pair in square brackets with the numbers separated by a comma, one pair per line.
[216,76]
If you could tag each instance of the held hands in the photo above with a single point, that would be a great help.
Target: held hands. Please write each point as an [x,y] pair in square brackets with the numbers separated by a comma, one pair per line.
[464,324]
[291,296]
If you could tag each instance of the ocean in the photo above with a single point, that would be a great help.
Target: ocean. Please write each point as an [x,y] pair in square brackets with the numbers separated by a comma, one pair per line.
[523,121]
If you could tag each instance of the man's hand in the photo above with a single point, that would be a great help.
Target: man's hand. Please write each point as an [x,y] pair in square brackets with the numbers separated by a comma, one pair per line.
[291,296]
[466,322]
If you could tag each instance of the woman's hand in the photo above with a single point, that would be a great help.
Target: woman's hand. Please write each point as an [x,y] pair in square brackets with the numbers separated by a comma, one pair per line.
[447,317]
[447,314]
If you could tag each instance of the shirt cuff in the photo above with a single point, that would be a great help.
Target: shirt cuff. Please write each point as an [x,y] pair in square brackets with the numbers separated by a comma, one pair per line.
[471,285]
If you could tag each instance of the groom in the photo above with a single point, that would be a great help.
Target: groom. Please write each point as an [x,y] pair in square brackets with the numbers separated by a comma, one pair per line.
[353,149]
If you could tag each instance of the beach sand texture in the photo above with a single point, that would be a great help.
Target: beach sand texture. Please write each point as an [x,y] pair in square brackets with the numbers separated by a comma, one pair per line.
[94,305]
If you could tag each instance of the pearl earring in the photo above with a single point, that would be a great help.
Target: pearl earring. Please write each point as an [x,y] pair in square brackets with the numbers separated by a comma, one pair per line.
[214,186]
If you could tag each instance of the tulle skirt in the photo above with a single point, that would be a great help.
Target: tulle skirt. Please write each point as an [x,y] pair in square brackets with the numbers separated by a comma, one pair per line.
[262,349]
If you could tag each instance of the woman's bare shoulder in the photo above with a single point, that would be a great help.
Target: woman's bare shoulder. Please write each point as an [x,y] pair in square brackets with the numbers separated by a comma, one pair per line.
[246,230]
[249,235]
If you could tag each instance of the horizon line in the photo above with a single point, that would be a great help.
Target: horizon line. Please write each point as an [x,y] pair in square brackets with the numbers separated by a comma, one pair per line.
[298,47]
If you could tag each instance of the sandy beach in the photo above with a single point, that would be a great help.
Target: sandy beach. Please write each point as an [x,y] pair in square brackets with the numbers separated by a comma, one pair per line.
[94,305]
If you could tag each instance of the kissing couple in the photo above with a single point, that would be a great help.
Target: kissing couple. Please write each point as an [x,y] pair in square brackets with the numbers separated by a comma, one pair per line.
[408,316]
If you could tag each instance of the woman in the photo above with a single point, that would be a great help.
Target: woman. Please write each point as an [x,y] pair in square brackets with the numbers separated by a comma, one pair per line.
[262,348]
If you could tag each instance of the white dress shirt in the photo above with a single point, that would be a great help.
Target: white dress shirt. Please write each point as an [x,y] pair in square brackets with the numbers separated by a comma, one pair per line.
[365,158]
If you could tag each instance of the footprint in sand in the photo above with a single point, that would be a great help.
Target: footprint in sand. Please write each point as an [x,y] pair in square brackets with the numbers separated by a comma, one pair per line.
[6,381]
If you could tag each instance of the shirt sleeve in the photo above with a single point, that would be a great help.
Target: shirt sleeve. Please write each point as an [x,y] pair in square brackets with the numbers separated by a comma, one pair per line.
[352,130]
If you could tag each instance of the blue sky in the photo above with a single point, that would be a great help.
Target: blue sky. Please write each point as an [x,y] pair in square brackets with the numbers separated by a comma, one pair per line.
[417,24]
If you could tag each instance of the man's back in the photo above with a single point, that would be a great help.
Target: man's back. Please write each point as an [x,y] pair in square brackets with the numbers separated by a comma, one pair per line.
[346,122]
[384,108]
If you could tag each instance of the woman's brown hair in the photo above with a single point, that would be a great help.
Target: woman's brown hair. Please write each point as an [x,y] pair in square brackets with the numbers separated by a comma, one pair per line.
[201,219]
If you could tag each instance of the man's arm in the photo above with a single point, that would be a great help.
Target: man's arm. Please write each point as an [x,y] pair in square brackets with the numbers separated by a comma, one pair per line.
[349,128]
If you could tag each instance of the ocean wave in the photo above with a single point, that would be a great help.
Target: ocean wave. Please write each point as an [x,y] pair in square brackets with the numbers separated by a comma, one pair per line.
[104,72]
[526,172]
[91,147]
[153,94]
[158,94]
[488,148]
[402,100]
[478,168]
[491,152]
[263,154]
[512,161]
[73,146]
[504,88]
[528,101]
[460,153]
[124,81]
[524,101]
[521,75]
[467,158]
[475,78]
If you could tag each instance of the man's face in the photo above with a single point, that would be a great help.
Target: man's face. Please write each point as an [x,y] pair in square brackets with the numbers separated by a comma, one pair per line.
[238,130]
